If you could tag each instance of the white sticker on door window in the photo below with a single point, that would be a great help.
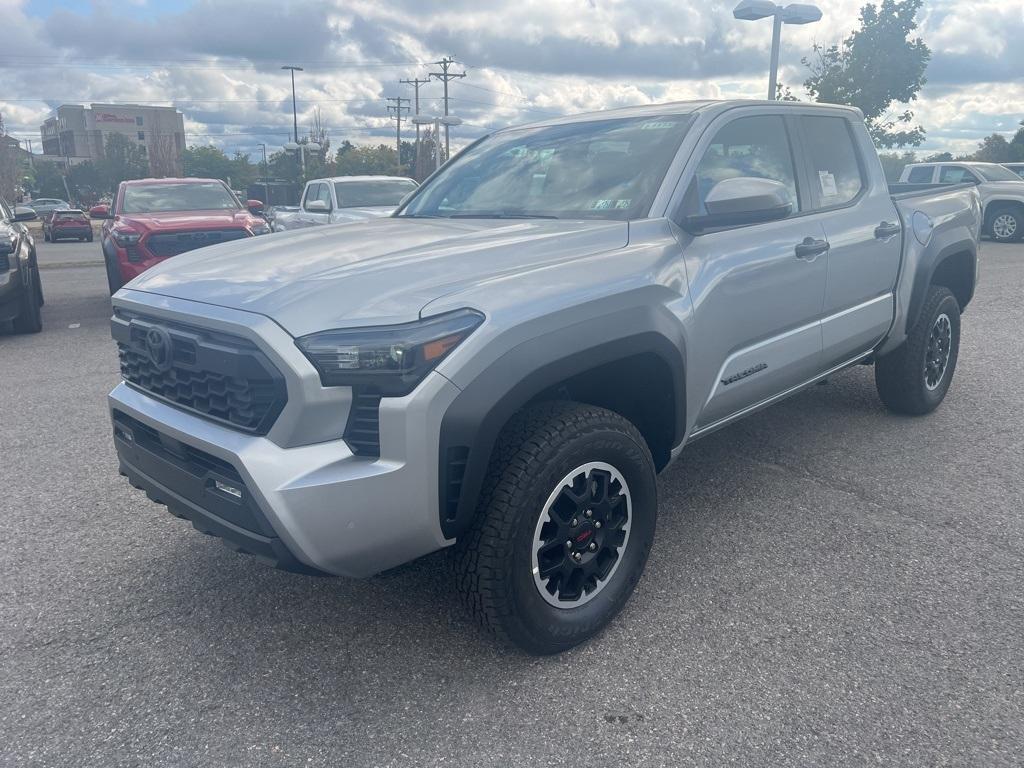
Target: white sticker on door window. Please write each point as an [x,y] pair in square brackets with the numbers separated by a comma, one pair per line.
[828,184]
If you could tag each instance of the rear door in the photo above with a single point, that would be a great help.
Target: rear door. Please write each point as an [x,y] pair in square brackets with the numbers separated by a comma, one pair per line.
[757,296]
[851,199]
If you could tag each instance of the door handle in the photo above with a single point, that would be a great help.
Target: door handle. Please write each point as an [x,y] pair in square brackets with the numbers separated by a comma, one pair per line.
[886,230]
[810,248]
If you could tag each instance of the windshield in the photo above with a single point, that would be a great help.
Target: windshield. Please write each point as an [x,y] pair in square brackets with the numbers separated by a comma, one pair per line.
[996,173]
[600,169]
[200,196]
[357,194]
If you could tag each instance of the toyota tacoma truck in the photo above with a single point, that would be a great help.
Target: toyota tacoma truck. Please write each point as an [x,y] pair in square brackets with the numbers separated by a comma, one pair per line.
[504,365]
[344,199]
[21,292]
[152,220]
[1000,188]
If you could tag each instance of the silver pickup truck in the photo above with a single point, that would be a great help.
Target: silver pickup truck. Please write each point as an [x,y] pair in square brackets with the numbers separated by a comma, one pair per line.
[504,365]
[343,199]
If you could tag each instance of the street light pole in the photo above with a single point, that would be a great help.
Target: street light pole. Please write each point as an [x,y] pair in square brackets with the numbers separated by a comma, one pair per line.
[295,114]
[438,120]
[795,13]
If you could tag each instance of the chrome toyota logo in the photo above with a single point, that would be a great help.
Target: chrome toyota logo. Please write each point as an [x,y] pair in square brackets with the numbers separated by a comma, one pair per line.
[158,347]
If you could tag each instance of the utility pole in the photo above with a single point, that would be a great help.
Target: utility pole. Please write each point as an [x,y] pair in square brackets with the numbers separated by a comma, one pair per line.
[445,76]
[395,111]
[295,114]
[416,83]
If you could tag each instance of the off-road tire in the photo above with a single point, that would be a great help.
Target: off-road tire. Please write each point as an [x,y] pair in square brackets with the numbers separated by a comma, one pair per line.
[30,319]
[1010,230]
[492,560]
[900,376]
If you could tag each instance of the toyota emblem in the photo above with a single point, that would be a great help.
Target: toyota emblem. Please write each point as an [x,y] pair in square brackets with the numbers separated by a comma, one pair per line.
[158,347]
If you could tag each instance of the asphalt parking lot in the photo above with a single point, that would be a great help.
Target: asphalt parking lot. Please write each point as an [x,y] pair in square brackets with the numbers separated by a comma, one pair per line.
[831,585]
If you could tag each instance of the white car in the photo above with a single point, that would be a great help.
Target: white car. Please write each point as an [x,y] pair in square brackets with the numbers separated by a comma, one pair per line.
[1001,190]
[344,199]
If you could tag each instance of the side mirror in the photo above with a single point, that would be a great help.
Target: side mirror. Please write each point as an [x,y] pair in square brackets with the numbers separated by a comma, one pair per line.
[21,213]
[743,200]
[318,206]
[99,212]
[254,206]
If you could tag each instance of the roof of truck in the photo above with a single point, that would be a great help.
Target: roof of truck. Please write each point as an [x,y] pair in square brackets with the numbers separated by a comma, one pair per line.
[363,178]
[689,107]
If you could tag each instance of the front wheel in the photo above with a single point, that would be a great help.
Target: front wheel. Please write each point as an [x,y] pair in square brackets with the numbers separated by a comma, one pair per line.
[915,377]
[30,319]
[565,523]
[1005,224]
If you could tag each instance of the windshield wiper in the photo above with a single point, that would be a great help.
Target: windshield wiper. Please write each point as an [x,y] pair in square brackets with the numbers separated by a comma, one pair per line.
[500,215]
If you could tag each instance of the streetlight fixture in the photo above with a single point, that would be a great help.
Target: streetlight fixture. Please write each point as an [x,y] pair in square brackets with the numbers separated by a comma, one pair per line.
[302,148]
[295,114]
[437,121]
[795,13]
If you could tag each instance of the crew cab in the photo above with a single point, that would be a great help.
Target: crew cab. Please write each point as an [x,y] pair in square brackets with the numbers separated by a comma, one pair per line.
[504,365]
[1000,188]
[21,292]
[344,199]
[154,219]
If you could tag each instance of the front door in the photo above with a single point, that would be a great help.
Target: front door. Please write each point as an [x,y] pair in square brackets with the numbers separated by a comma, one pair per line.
[757,296]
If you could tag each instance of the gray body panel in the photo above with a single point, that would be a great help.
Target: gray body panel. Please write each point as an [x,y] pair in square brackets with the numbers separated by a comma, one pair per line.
[747,319]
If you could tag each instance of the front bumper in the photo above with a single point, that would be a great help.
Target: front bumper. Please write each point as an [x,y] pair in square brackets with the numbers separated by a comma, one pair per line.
[312,506]
[60,232]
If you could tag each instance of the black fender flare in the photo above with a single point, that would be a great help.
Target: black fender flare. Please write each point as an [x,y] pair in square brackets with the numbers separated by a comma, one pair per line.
[473,421]
[925,274]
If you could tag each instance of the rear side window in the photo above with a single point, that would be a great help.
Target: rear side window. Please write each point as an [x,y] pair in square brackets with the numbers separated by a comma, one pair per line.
[953,174]
[835,172]
[920,175]
[755,147]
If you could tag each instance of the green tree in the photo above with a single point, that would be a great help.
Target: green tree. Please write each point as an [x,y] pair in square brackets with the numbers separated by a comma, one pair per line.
[122,160]
[875,68]
[994,149]
[357,161]
[49,180]
[207,162]
[1017,145]
[893,162]
[85,183]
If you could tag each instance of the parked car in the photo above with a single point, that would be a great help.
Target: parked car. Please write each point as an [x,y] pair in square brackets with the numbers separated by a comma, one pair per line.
[1017,168]
[271,213]
[155,219]
[504,365]
[21,291]
[344,199]
[62,225]
[1001,190]
[44,206]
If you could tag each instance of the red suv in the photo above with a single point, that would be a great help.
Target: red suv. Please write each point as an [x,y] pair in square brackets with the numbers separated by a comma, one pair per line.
[154,219]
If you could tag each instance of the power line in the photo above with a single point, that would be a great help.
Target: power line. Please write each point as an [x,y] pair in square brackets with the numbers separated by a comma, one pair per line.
[445,76]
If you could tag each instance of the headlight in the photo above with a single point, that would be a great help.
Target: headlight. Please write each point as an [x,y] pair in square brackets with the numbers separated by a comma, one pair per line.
[259,228]
[125,237]
[392,359]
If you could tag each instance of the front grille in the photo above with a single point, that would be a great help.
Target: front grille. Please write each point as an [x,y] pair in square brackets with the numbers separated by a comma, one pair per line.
[218,376]
[173,243]
[362,433]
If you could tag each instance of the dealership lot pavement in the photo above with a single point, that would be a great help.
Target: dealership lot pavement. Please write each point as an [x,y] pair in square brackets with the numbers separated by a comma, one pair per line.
[831,585]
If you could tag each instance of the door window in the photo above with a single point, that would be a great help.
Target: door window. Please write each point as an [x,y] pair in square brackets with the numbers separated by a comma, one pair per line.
[312,193]
[747,147]
[955,174]
[920,175]
[324,195]
[835,171]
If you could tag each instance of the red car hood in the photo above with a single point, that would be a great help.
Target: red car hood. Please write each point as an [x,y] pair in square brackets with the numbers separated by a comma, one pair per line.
[184,220]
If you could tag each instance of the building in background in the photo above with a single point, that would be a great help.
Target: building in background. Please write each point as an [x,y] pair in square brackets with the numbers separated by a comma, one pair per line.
[78,134]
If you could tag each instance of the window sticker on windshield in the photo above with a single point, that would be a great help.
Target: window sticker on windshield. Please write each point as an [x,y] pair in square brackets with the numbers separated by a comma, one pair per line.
[828,184]
[604,205]
[657,125]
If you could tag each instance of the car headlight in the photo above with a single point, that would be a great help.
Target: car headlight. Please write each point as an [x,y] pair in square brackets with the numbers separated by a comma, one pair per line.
[260,228]
[125,237]
[392,359]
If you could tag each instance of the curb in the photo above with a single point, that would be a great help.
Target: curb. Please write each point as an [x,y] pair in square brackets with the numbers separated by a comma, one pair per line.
[70,264]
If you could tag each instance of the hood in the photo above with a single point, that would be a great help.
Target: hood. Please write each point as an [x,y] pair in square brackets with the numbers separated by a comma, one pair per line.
[373,272]
[180,220]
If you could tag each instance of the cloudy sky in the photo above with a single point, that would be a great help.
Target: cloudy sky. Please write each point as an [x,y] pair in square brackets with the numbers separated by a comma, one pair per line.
[219,62]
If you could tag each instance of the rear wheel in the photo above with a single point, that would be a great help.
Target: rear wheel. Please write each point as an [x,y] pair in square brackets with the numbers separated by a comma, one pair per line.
[30,319]
[1006,224]
[564,526]
[914,378]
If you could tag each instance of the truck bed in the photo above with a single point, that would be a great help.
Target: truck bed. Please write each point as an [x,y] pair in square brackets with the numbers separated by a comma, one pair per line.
[904,191]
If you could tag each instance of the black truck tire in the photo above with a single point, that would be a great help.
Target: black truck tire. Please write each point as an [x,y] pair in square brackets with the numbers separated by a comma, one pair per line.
[914,378]
[526,524]
[30,319]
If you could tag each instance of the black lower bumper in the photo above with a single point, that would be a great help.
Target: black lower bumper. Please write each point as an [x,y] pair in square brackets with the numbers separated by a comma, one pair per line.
[201,488]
